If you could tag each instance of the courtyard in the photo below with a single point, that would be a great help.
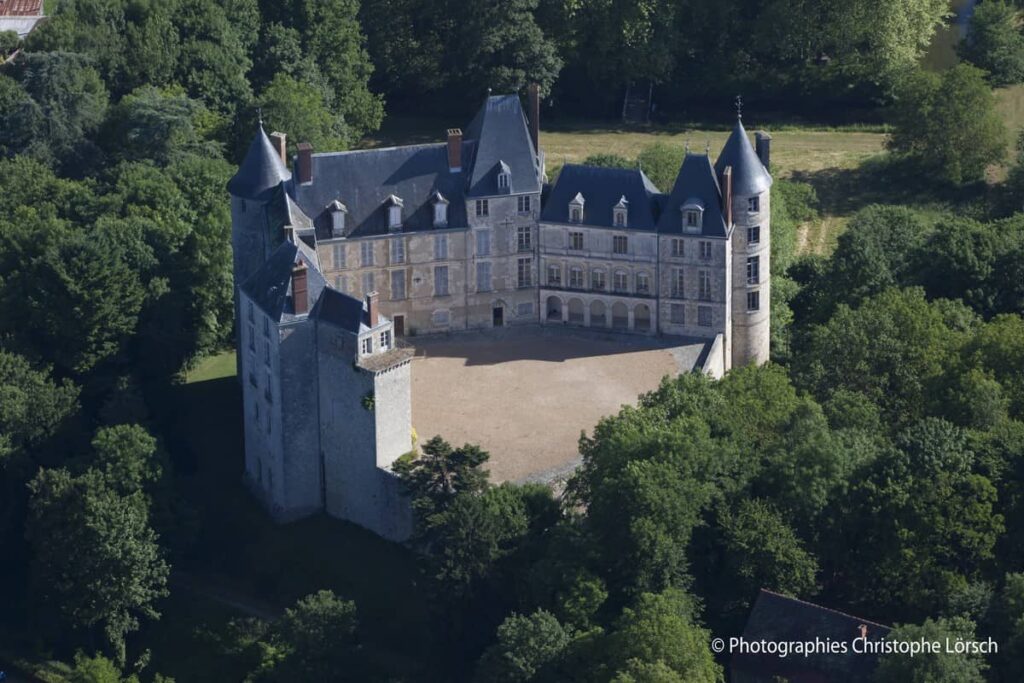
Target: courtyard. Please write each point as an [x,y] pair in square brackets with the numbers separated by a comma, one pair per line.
[525,394]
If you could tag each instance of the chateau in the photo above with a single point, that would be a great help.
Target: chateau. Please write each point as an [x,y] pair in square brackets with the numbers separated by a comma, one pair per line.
[342,254]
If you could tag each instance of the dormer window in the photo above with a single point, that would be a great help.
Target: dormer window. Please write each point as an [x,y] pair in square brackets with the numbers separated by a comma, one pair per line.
[394,205]
[504,177]
[337,210]
[693,215]
[440,210]
[576,209]
[620,212]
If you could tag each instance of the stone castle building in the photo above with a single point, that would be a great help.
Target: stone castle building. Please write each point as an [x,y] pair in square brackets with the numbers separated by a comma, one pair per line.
[340,256]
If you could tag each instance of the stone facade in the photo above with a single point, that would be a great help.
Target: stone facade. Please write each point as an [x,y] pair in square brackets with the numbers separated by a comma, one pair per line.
[338,258]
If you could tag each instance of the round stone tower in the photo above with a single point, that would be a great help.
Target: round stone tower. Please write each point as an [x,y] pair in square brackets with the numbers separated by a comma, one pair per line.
[259,176]
[751,246]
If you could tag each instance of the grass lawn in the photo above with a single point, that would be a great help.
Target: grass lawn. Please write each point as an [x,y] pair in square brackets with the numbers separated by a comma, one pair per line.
[235,545]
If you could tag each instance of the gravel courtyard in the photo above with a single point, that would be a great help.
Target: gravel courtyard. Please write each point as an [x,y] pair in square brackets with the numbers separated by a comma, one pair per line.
[525,394]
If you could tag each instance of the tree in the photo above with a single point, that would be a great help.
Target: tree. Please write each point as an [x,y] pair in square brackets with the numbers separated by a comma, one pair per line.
[941,667]
[893,349]
[661,163]
[503,49]
[994,42]
[661,629]
[95,559]
[76,301]
[439,474]
[949,124]
[1008,625]
[919,523]
[526,644]
[334,40]
[32,404]
[96,669]
[72,101]
[127,455]
[299,110]
[318,637]
[759,550]
[155,125]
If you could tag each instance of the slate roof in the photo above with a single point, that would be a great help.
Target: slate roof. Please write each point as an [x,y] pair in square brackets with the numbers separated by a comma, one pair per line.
[341,310]
[696,180]
[363,181]
[501,135]
[602,189]
[270,287]
[777,618]
[282,211]
[749,175]
[261,172]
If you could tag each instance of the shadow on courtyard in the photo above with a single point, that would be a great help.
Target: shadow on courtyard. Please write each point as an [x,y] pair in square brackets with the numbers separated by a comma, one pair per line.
[548,344]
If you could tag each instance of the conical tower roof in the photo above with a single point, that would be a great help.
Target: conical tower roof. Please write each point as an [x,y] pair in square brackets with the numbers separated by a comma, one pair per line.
[749,176]
[261,171]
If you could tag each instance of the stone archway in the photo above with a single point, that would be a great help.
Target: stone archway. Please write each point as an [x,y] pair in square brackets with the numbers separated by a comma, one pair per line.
[642,318]
[576,312]
[554,309]
[598,316]
[620,316]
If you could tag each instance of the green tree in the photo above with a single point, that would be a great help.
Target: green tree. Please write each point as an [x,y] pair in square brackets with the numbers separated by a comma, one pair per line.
[299,110]
[661,631]
[943,667]
[127,455]
[949,124]
[95,560]
[503,48]
[525,645]
[919,523]
[759,550]
[893,349]
[661,163]
[439,474]
[72,101]
[32,404]
[994,42]
[318,637]
[155,125]
[1008,626]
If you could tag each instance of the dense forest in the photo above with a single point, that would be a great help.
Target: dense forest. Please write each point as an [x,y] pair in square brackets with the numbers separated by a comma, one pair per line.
[876,465]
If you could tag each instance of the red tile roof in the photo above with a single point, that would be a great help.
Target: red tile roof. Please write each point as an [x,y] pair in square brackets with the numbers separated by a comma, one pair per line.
[21,8]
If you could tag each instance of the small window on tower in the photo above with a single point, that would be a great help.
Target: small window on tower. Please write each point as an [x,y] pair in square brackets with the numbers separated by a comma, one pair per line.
[754,204]
[367,345]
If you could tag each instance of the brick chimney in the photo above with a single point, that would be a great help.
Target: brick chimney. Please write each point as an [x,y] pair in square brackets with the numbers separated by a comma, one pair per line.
[280,143]
[727,194]
[763,147]
[454,150]
[300,292]
[305,163]
[533,103]
[373,309]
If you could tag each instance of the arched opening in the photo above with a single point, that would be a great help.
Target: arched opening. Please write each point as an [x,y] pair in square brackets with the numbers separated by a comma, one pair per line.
[597,314]
[620,316]
[642,318]
[576,315]
[554,309]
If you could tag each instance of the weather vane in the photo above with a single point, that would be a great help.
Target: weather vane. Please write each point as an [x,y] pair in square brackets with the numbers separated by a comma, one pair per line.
[739,106]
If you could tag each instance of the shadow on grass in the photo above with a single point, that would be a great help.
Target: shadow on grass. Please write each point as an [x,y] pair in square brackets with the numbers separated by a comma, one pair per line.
[235,543]
[886,179]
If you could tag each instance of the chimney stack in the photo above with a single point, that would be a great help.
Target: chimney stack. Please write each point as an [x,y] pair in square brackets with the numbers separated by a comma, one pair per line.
[763,147]
[305,163]
[300,294]
[372,309]
[280,143]
[727,194]
[454,150]
[533,102]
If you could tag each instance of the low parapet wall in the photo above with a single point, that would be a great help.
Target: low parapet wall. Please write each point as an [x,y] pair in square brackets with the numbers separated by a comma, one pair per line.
[714,360]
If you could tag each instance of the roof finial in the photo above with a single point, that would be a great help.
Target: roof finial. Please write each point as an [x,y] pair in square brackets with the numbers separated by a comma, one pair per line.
[707,146]
[687,146]
[488,91]
[259,115]
[739,106]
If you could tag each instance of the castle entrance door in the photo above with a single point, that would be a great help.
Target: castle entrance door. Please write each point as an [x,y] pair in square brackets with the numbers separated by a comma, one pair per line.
[498,316]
